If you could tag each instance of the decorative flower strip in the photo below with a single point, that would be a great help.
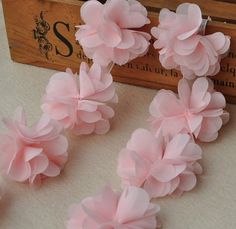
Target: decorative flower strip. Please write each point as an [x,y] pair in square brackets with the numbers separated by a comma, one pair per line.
[156,163]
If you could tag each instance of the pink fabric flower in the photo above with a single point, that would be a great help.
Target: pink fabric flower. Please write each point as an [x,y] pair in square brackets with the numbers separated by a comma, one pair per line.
[32,153]
[110,32]
[161,167]
[130,209]
[198,110]
[183,48]
[81,107]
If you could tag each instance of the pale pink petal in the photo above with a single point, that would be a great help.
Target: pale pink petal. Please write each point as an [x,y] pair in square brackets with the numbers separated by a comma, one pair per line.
[165,172]
[91,8]
[184,91]
[19,170]
[176,146]
[31,152]
[110,34]
[187,181]
[52,170]
[200,97]
[102,127]
[133,204]
[210,128]
[39,164]
[156,188]
[145,144]
[132,168]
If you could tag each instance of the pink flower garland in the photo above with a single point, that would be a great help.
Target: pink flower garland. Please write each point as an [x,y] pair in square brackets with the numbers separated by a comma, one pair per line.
[153,164]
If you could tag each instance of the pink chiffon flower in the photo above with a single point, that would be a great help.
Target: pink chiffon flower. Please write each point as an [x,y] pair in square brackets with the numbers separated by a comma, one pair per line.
[29,154]
[110,32]
[81,106]
[183,48]
[161,167]
[198,110]
[130,209]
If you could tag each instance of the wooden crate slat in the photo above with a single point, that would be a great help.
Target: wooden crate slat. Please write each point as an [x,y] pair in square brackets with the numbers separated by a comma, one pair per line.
[212,8]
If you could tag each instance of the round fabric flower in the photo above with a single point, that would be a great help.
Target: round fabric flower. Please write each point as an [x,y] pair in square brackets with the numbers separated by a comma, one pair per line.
[161,167]
[32,153]
[81,107]
[113,210]
[198,110]
[110,34]
[183,48]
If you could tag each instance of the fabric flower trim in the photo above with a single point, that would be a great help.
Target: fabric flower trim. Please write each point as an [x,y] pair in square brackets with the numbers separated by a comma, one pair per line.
[81,107]
[156,163]
[30,154]
[129,209]
[183,48]
[197,110]
[161,167]
[111,34]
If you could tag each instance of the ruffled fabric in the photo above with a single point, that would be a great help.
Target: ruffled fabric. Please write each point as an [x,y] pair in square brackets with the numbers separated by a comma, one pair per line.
[81,106]
[130,209]
[161,167]
[183,48]
[30,154]
[198,110]
[111,34]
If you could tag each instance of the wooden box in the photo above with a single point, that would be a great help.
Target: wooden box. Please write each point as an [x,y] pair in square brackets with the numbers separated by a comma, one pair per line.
[41,33]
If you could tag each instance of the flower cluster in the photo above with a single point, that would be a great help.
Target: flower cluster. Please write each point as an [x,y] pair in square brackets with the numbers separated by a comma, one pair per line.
[181,45]
[114,210]
[81,106]
[161,167]
[111,34]
[198,110]
[32,153]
